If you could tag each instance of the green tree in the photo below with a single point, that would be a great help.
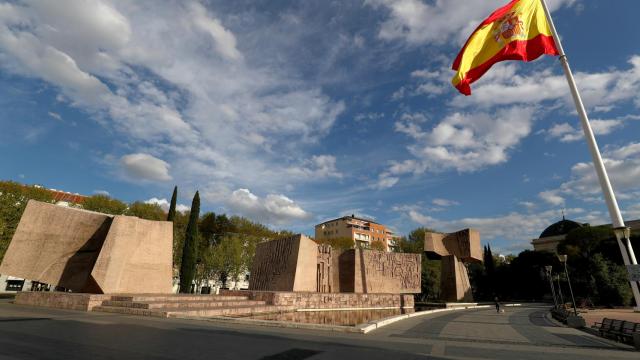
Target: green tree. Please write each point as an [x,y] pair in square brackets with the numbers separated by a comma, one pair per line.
[486,281]
[378,245]
[179,231]
[594,263]
[230,259]
[189,252]
[208,228]
[414,243]
[145,211]
[13,200]
[339,243]
[104,204]
[172,207]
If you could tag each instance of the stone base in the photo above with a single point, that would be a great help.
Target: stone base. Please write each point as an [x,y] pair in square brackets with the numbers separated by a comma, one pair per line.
[60,300]
[314,300]
[575,321]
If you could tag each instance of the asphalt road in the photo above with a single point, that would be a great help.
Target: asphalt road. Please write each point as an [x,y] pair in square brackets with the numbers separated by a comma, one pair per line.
[520,333]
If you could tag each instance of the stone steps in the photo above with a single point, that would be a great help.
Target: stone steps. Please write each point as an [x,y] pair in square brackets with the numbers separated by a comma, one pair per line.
[195,312]
[174,297]
[173,304]
[186,305]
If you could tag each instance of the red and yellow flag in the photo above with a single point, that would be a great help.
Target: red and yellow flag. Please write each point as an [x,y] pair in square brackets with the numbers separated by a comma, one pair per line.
[517,31]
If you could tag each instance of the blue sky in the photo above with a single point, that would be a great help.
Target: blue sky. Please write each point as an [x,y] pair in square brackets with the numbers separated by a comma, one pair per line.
[291,113]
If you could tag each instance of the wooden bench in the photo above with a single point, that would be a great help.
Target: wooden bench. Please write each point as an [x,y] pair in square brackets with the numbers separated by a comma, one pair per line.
[618,329]
[604,326]
[628,328]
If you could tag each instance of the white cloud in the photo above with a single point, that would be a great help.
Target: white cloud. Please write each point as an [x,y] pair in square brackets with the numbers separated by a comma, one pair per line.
[174,80]
[623,167]
[528,205]
[317,167]
[145,167]
[101,192]
[444,202]
[224,39]
[463,141]
[567,133]
[165,204]
[418,22]
[372,116]
[552,197]
[55,115]
[385,181]
[273,209]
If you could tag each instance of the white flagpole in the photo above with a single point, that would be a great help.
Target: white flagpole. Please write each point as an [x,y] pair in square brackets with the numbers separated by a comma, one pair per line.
[607,190]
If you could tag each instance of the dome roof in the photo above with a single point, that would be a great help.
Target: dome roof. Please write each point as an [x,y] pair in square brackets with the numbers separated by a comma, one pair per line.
[562,227]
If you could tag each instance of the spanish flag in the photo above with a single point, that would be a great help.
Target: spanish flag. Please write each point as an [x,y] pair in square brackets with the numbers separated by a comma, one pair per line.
[517,31]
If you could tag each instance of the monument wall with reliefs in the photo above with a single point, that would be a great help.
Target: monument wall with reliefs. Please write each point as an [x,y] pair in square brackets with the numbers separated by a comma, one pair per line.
[299,264]
[90,252]
[386,272]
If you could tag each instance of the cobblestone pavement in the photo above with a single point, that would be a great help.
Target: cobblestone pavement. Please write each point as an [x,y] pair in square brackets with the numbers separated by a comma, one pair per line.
[520,333]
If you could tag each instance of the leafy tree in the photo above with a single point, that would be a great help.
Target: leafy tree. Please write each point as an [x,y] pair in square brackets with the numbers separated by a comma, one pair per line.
[430,287]
[104,204]
[594,262]
[229,258]
[488,291]
[339,243]
[172,207]
[145,211]
[189,252]
[208,228]
[13,200]
[414,242]
[179,231]
[378,245]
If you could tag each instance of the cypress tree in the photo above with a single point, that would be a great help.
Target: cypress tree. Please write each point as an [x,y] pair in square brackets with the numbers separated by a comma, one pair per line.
[190,249]
[172,208]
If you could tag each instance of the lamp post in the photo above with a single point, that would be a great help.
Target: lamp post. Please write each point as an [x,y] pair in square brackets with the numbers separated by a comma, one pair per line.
[563,259]
[548,268]
[560,297]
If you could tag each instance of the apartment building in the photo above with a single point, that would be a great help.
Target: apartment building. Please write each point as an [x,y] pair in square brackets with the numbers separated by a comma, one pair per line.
[362,231]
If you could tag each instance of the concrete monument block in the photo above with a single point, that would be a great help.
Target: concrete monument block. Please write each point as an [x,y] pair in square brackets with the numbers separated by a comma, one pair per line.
[85,251]
[455,249]
[299,264]
[287,264]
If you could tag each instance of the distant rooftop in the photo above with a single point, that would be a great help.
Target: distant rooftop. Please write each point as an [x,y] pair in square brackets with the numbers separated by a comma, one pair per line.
[352,216]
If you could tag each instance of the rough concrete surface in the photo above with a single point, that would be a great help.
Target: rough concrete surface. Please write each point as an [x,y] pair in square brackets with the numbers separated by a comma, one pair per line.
[90,252]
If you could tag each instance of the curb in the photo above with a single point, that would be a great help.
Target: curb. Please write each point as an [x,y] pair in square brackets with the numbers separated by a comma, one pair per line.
[358,329]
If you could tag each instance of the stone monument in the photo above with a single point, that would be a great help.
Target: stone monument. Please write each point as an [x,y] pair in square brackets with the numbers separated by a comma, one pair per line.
[455,249]
[298,263]
[90,252]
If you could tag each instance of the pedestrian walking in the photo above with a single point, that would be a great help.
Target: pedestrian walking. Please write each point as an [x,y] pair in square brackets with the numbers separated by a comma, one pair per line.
[497,302]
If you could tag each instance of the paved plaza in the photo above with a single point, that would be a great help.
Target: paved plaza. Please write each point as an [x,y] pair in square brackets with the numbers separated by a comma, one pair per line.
[520,333]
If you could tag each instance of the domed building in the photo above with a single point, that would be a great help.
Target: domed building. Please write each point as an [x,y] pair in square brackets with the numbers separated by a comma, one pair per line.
[552,235]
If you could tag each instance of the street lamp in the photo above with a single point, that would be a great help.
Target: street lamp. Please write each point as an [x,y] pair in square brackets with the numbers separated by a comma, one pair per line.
[548,268]
[563,259]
